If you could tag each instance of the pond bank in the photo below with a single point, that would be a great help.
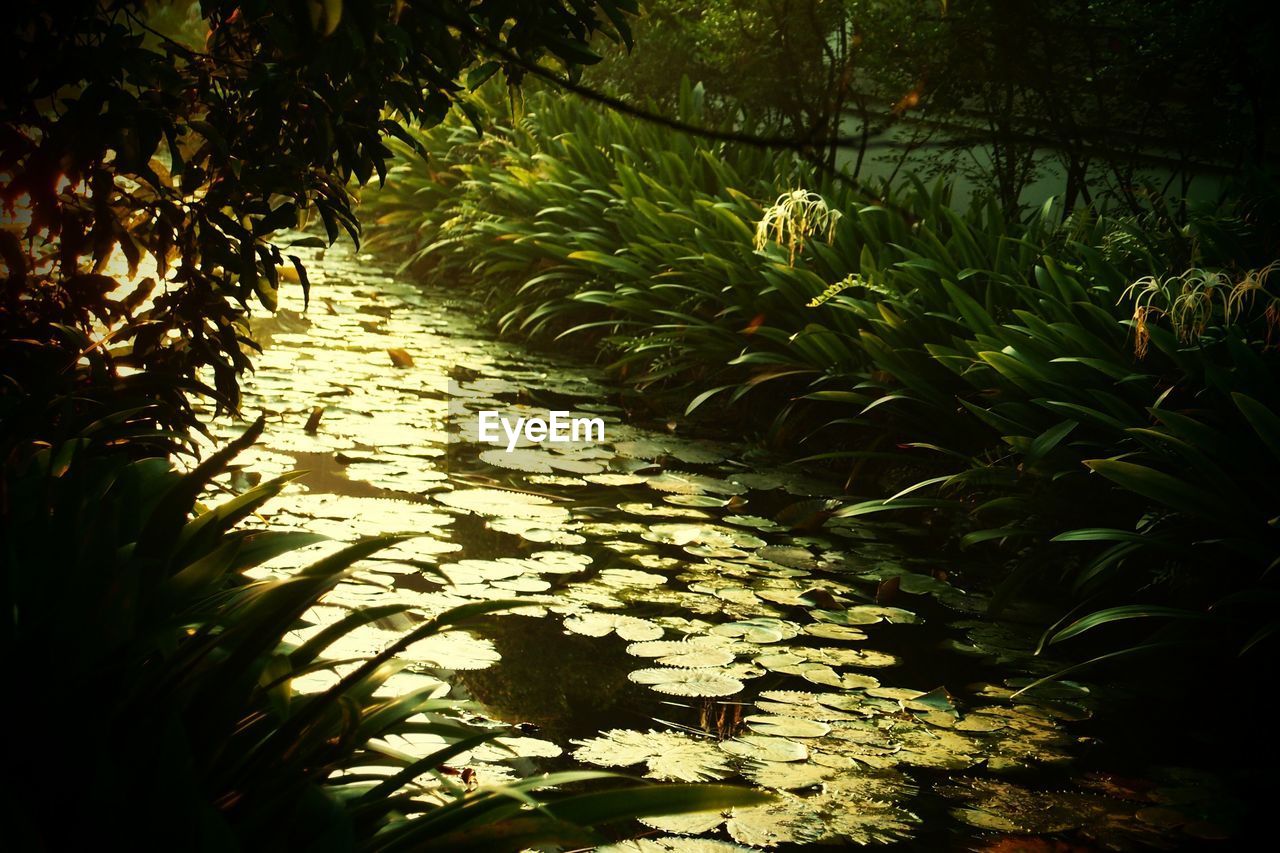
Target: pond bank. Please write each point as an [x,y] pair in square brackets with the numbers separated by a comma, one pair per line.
[675,628]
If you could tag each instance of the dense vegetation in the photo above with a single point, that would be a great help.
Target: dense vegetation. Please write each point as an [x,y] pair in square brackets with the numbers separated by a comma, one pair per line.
[148,158]
[200,731]
[1098,97]
[1092,396]
[1081,395]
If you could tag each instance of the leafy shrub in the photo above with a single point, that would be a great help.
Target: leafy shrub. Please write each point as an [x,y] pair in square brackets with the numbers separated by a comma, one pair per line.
[147,162]
[1064,379]
[154,677]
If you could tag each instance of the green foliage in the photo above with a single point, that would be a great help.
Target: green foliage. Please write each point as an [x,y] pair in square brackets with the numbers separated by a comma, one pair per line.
[143,174]
[157,680]
[1098,97]
[1000,354]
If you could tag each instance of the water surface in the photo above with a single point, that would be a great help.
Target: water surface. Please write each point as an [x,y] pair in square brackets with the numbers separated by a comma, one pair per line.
[692,613]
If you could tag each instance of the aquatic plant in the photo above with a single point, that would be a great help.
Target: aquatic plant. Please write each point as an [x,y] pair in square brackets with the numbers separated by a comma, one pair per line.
[997,354]
[642,599]
[219,705]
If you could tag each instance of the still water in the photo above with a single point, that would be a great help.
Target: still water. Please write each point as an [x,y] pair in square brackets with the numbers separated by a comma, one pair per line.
[692,613]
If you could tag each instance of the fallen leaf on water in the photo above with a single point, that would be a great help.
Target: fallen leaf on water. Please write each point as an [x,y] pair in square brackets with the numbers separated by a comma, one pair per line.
[313,420]
[888,589]
[400,357]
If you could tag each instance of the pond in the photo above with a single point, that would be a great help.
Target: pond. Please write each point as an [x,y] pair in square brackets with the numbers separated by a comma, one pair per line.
[692,612]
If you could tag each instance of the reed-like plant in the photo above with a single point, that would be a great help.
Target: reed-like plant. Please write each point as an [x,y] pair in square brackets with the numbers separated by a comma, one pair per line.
[997,353]
[152,679]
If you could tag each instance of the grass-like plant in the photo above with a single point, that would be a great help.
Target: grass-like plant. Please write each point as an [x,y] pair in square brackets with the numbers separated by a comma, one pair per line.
[997,352]
[153,680]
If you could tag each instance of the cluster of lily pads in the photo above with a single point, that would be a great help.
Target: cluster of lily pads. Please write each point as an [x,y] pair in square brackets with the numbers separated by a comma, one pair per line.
[661,544]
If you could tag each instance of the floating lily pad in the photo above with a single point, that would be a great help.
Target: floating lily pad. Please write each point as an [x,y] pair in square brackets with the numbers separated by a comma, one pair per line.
[816,672]
[690,823]
[687,682]
[865,614]
[454,650]
[705,501]
[682,483]
[602,624]
[523,585]
[756,522]
[793,556]
[500,502]
[671,756]
[691,453]
[763,630]
[631,577]
[797,484]
[701,534]
[831,631]
[673,844]
[647,509]
[788,775]
[511,748]
[554,480]
[763,748]
[917,700]
[529,460]
[614,480]
[786,727]
[694,653]
[809,706]
[532,530]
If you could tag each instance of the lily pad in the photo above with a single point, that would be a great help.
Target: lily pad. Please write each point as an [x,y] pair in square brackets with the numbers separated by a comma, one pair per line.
[788,775]
[454,650]
[673,844]
[647,509]
[786,727]
[764,748]
[707,501]
[529,460]
[830,631]
[866,614]
[670,756]
[814,671]
[762,630]
[614,480]
[500,502]
[807,706]
[682,483]
[708,535]
[694,653]
[603,624]
[687,682]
